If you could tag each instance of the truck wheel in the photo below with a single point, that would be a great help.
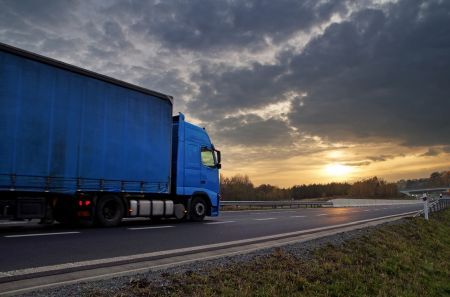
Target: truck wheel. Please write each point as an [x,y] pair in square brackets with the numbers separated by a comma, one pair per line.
[109,211]
[197,210]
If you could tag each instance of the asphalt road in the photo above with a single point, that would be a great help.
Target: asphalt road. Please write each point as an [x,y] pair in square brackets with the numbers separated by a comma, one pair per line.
[27,245]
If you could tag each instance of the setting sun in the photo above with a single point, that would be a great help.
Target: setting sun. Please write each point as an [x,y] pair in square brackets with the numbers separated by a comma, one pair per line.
[338,170]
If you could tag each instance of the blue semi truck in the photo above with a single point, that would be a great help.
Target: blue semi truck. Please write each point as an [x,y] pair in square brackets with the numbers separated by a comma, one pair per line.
[80,147]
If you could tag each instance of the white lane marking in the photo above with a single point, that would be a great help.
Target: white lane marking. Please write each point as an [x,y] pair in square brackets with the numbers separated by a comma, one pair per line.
[190,249]
[259,211]
[298,216]
[366,210]
[135,219]
[221,222]
[321,214]
[355,211]
[152,227]
[283,211]
[40,234]
[8,223]
[265,219]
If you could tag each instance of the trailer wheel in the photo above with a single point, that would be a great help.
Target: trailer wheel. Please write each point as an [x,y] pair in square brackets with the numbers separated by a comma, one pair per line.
[198,209]
[109,211]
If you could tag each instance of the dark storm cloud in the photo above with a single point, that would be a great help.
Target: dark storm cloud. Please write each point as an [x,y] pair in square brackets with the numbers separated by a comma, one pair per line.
[252,130]
[74,31]
[203,25]
[169,82]
[372,159]
[381,74]
[51,25]
[110,35]
[48,13]
[228,91]
[107,42]
[436,151]
[52,28]
[382,158]
[357,163]
[432,152]
[26,22]
[58,44]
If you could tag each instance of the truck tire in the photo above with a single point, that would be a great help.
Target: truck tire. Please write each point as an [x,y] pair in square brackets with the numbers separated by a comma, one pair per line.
[109,211]
[197,209]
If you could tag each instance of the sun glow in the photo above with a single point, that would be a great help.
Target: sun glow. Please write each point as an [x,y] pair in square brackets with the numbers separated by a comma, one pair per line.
[337,170]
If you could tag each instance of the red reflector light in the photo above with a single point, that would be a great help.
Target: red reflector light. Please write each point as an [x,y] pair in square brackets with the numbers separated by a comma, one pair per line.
[87,202]
[80,203]
[84,213]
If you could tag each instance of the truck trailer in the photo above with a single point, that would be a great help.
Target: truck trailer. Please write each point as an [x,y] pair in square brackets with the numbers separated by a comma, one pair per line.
[80,147]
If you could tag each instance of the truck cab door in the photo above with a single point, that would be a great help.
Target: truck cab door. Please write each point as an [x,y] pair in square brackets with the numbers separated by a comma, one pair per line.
[193,170]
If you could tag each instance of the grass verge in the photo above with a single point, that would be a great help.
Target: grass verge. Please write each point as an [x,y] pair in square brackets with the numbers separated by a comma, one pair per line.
[406,259]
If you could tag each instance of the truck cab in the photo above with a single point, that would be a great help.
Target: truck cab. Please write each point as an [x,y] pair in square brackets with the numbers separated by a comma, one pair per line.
[195,170]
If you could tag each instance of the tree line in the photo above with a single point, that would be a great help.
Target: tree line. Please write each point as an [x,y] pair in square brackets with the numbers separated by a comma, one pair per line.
[240,188]
[436,179]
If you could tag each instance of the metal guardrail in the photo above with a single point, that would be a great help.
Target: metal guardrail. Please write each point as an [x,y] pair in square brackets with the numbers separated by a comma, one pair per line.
[439,204]
[436,205]
[275,204]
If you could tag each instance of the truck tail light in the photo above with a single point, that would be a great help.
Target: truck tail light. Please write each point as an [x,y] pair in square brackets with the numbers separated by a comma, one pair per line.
[82,203]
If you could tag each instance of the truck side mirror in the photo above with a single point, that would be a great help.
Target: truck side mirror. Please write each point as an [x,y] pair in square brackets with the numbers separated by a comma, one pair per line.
[218,165]
[219,158]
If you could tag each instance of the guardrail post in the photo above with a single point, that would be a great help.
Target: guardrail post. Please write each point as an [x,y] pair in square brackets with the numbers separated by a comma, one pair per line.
[425,209]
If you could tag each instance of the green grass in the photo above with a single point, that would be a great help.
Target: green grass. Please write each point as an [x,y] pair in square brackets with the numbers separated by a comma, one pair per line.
[408,259]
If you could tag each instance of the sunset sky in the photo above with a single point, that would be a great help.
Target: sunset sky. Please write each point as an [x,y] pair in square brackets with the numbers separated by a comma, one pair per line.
[290,91]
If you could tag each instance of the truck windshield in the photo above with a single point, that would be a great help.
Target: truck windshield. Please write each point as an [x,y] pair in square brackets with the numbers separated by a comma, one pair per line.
[208,157]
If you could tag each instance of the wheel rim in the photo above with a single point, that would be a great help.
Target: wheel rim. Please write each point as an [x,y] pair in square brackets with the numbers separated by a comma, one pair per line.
[110,210]
[200,209]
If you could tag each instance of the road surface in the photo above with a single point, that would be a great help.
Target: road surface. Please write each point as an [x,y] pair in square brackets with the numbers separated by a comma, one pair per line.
[26,245]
